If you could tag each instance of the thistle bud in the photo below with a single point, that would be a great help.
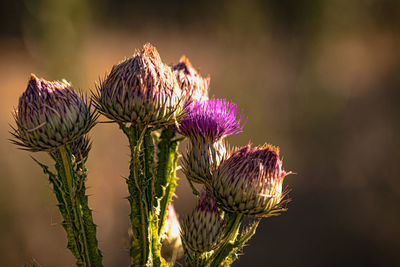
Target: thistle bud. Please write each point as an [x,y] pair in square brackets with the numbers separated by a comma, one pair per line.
[250,181]
[140,90]
[202,159]
[171,243]
[190,81]
[202,231]
[211,120]
[49,115]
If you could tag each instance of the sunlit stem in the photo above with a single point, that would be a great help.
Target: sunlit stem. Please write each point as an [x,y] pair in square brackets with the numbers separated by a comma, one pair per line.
[231,232]
[140,215]
[70,191]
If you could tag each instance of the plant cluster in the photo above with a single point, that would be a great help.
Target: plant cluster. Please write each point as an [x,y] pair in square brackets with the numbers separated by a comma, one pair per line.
[156,106]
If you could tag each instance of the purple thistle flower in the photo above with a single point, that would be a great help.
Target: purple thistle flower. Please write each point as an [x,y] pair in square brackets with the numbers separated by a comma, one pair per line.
[202,230]
[49,115]
[211,120]
[250,181]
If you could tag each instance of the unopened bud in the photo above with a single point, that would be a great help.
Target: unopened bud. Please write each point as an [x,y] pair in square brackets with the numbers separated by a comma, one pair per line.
[141,90]
[202,230]
[50,114]
[190,81]
[250,181]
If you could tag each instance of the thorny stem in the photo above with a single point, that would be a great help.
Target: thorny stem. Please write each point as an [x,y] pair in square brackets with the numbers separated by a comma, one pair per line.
[150,192]
[76,212]
[166,173]
[231,232]
[231,250]
[66,160]
[149,176]
[138,189]
[164,185]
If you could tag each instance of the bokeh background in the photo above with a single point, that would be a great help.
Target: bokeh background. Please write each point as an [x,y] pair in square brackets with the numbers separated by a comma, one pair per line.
[319,78]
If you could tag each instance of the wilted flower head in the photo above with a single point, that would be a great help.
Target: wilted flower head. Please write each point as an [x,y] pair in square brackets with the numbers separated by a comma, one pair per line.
[202,159]
[211,120]
[141,90]
[171,244]
[202,230]
[250,181]
[50,114]
[190,80]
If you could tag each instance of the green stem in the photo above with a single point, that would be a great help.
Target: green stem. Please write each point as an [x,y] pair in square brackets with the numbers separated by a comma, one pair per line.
[148,160]
[239,244]
[165,183]
[170,190]
[166,173]
[231,232]
[66,161]
[70,192]
[138,189]
[149,194]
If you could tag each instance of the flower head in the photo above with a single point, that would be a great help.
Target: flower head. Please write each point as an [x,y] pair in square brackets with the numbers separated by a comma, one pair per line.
[190,81]
[202,231]
[211,120]
[250,181]
[202,159]
[50,114]
[140,90]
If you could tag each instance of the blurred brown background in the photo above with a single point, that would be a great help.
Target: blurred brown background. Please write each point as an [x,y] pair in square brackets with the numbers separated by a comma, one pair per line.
[318,78]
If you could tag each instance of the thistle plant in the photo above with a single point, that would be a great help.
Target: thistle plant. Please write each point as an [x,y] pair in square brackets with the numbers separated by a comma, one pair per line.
[53,118]
[143,96]
[156,106]
[245,182]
